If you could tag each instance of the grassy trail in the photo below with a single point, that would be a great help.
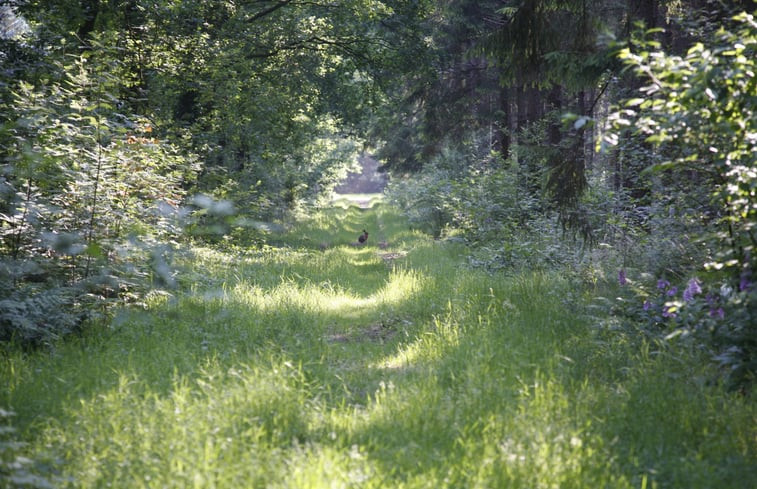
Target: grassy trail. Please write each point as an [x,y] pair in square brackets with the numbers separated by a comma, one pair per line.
[317,363]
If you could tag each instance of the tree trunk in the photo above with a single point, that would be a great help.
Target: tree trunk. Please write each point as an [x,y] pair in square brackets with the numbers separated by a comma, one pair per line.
[90,9]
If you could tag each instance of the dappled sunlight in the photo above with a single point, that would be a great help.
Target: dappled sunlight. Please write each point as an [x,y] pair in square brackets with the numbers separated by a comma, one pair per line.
[326,466]
[220,413]
[325,297]
[195,295]
[370,366]
[401,286]
[356,256]
[427,348]
[206,259]
[407,356]
[347,201]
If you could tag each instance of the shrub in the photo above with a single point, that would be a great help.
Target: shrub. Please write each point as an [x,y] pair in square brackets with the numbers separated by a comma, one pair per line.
[699,111]
[709,315]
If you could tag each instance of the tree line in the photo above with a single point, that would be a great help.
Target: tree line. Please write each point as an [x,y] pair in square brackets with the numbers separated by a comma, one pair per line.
[612,138]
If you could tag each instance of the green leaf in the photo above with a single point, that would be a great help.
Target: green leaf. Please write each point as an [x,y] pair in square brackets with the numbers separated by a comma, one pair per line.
[94,250]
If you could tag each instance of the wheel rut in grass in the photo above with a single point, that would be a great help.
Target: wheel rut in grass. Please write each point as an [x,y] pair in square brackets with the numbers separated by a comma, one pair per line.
[374,326]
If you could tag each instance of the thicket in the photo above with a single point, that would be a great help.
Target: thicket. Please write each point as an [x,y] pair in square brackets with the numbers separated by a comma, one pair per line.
[633,170]
[87,191]
[699,111]
[130,128]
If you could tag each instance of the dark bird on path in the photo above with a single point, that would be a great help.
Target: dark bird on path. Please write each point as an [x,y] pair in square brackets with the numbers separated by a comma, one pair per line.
[363,237]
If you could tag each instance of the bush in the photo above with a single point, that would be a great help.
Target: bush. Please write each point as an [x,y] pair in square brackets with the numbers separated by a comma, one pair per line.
[704,314]
[427,198]
[698,111]
[485,199]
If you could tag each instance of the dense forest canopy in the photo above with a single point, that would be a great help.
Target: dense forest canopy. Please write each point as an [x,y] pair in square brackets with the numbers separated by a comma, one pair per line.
[555,133]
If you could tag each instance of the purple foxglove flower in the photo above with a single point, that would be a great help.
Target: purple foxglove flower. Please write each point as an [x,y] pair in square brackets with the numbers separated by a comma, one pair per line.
[692,288]
[744,283]
[622,277]
[718,313]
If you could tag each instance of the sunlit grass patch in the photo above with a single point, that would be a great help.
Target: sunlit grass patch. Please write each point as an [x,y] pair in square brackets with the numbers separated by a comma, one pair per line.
[294,293]
[407,356]
[543,441]
[346,201]
[318,465]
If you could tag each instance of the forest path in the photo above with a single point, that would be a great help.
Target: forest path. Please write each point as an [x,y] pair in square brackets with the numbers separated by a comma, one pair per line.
[314,362]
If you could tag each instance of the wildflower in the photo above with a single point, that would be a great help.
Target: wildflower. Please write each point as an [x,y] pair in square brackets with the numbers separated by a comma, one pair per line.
[692,288]
[718,313]
[622,277]
[672,291]
[669,311]
[662,284]
[746,274]
[744,282]
[647,305]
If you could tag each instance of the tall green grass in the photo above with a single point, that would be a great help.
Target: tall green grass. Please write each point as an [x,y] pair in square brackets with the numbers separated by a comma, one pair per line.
[317,363]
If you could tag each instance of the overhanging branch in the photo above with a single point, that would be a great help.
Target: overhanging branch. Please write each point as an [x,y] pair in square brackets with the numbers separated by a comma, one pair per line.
[269,10]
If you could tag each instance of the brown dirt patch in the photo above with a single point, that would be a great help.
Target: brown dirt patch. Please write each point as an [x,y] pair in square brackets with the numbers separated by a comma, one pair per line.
[389,257]
[378,332]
